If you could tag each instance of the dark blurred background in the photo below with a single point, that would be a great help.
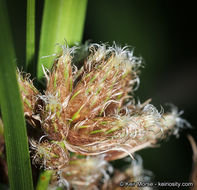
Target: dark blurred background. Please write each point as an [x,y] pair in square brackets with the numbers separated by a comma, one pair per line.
[164,34]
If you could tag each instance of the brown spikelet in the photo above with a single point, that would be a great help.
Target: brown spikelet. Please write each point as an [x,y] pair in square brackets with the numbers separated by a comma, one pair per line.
[152,128]
[50,155]
[92,130]
[121,135]
[29,95]
[55,128]
[102,85]
[85,174]
[59,88]
[60,79]
[128,82]
[53,122]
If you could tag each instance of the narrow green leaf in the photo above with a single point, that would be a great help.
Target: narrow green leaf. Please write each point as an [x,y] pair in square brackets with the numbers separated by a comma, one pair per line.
[62,20]
[44,180]
[17,152]
[30,36]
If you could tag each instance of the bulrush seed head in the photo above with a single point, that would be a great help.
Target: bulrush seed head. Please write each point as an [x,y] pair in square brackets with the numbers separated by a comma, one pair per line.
[91,111]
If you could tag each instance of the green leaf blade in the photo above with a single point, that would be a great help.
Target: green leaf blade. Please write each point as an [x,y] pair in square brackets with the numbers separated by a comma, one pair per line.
[30,36]
[17,152]
[62,20]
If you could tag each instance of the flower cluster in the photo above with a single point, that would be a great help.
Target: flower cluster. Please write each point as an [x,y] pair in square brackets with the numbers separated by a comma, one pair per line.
[91,111]
[95,173]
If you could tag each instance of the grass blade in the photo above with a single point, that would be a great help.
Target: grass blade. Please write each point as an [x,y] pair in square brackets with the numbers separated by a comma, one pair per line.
[30,36]
[62,20]
[17,152]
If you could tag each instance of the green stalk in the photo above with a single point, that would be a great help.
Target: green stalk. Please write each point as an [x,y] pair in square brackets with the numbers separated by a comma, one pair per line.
[44,180]
[63,21]
[30,36]
[17,152]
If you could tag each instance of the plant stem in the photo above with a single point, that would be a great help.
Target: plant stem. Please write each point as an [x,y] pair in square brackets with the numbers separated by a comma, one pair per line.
[44,180]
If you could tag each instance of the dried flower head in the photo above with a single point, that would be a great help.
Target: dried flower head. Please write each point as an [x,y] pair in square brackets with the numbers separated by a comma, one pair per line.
[92,173]
[84,173]
[91,110]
